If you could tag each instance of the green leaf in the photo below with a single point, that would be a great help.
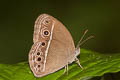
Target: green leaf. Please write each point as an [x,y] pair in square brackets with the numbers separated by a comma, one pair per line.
[95,64]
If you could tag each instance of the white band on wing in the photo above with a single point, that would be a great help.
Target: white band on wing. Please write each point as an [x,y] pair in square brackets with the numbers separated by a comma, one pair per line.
[46,52]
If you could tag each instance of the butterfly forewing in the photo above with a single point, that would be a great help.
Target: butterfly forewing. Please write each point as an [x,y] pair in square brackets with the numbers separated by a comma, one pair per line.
[53,46]
[42,28]
[41,38]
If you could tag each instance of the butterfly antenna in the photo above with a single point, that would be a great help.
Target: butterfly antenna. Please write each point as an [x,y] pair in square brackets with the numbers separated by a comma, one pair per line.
[78,45]
[77,51]
[90,37]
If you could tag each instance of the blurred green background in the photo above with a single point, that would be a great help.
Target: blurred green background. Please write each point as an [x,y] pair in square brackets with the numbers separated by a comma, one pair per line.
[100,17]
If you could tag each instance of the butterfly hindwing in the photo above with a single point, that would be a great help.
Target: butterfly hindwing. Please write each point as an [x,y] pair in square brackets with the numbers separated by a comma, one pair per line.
[42,37]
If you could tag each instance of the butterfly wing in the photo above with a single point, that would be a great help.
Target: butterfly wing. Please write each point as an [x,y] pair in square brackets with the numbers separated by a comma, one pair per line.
[59,50]
[42,38]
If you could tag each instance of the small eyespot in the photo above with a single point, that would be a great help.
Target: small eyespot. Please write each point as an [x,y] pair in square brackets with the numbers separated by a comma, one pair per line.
[38,53]
[43,44]
[38,65]
[46,21]
[46,33]
[39,59]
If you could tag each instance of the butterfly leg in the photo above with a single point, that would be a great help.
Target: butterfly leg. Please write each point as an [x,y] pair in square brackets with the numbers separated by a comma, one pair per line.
[66,69]
[78,62]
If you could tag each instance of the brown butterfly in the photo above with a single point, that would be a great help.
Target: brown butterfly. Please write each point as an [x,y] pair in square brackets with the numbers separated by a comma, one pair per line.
[53,46]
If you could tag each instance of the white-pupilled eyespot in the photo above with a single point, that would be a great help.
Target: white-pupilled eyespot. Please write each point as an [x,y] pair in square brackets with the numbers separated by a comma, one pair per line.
[46,33]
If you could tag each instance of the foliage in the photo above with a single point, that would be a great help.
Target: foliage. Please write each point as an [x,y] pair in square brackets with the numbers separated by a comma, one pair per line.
[95,64]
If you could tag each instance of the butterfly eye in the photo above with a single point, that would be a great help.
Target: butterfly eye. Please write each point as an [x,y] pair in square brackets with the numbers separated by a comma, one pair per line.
[46,32]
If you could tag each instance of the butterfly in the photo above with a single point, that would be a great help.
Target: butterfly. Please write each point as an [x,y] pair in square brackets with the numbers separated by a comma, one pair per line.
[53,46]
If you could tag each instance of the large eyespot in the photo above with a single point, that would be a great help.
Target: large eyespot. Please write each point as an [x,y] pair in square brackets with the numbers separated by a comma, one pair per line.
[46,33]
[39,59]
